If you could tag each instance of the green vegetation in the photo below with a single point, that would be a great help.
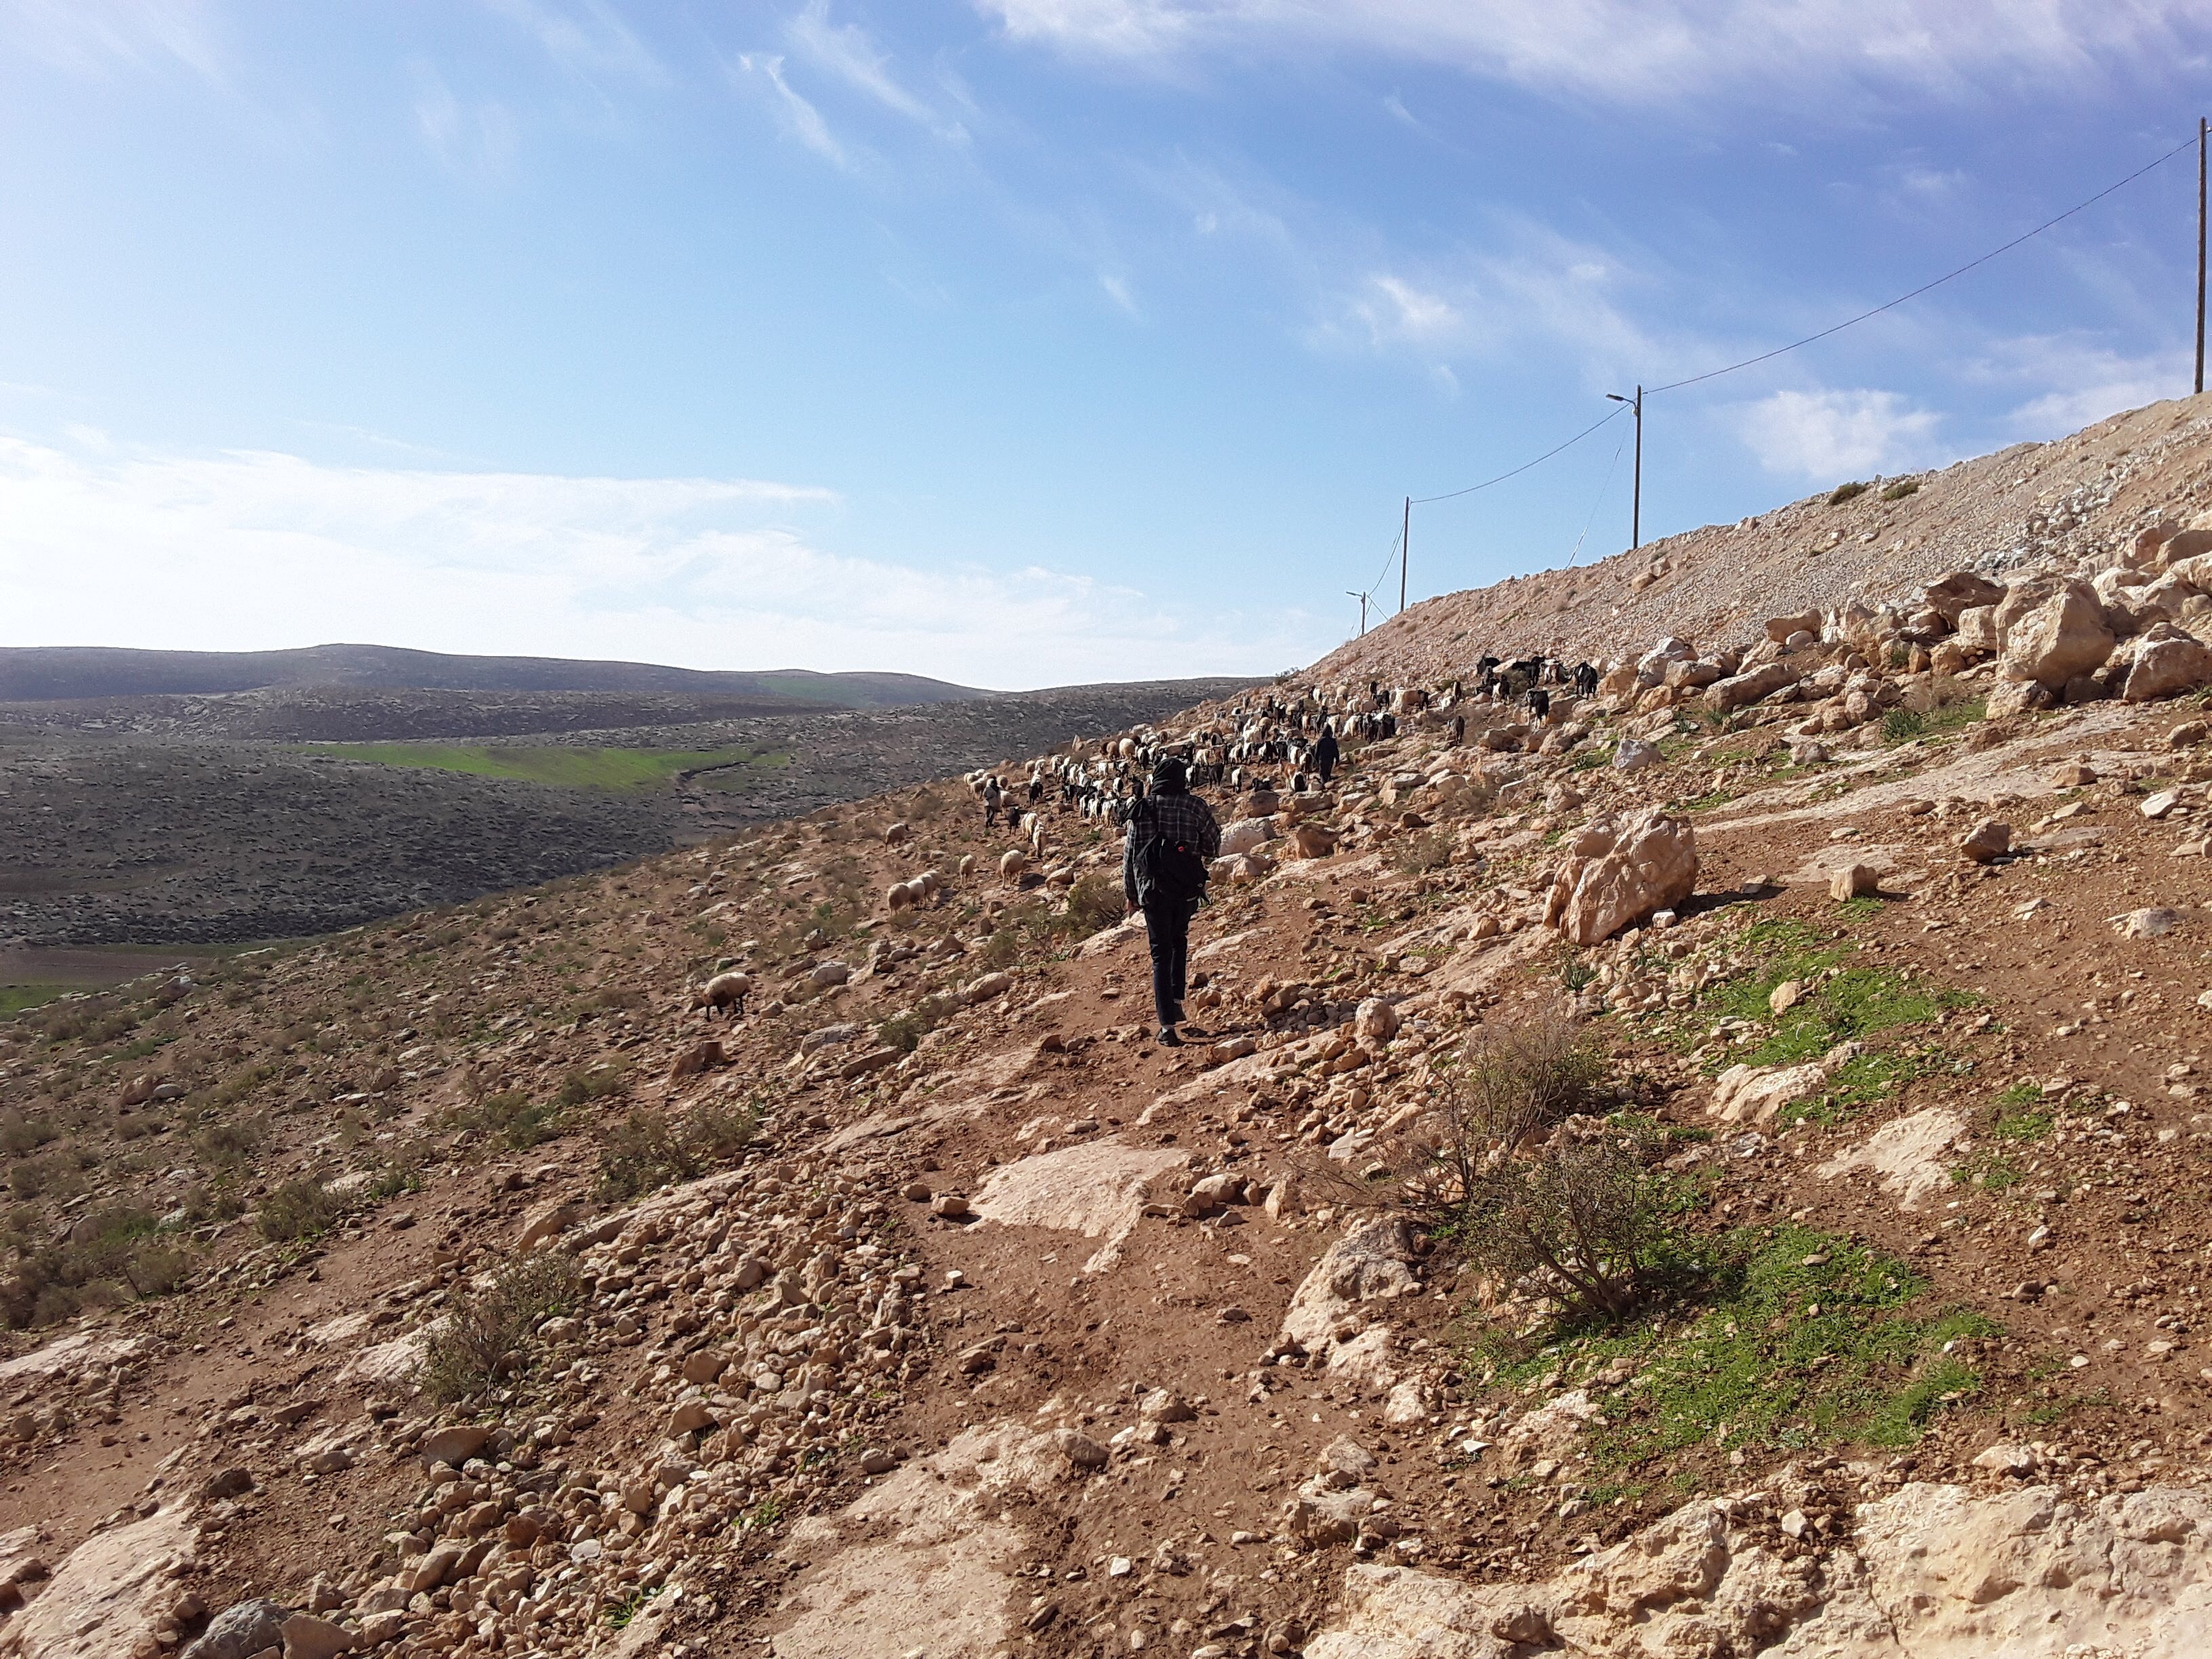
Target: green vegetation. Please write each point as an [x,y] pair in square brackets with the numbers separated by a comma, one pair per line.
[1901,489]
[1842,1002]
[1800,1339]
[115,1254]
[565,766]
[301,1208]
[1858,1082]
[515,1117]
[491,1334]
[1902,725]
[17,999]
[649,1149]
[1846,492]
[1096,902]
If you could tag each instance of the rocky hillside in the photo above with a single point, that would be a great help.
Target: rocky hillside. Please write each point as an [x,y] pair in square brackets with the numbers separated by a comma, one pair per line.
[1715,1170]
[1874,540]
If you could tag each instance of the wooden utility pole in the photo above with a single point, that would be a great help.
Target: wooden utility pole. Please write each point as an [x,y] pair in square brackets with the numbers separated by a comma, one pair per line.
[1405,549]
[2200,252]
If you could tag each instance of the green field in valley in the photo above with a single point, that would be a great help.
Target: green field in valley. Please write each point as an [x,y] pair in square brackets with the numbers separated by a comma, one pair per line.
[570,768]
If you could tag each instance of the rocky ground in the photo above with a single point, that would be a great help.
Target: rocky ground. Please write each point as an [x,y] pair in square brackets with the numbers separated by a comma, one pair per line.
[468,1284]
[157,821]
[2076,497]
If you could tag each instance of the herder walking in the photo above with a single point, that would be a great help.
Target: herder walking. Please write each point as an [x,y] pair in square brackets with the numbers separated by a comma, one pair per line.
[1325,753]
[1172,840]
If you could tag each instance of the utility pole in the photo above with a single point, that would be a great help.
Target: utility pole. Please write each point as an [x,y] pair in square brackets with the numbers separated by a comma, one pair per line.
[1405,548]
[2200,252]
[1355,593]
[1636,499]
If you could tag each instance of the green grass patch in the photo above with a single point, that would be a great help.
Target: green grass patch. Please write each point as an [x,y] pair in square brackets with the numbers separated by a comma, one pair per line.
[1800,1340]
[2020,1126]
[564,767]
[1859,1082]
[17,998]
[1900,490]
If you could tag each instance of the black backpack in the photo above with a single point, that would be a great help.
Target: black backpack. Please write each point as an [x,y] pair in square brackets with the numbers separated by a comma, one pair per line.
[1167,869]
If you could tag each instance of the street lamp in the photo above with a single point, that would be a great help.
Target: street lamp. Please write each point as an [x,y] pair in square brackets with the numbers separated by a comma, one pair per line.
[1636,508]
[1354,593]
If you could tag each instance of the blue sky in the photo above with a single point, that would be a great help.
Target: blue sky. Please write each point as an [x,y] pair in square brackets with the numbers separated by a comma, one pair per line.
[1018,342]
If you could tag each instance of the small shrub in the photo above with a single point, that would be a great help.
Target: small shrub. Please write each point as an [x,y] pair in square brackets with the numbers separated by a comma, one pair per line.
[1846,492]
[718,1131]
[1900,490]
[19,1134]
[906,1029]
[1095,902]
[515,1118]
[588,1084]
[489,1334]
[301,1208]
[1418,854]
[1581,1216]
[1900,725]
[640,1154]
[229,1142]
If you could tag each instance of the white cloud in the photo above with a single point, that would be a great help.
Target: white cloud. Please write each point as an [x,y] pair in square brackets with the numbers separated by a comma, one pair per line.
[1118,290]
[848,52]
[1832,435]
[2072,382]
[1395,309]
[477,140]
[244,551]
[92,36]
[1641,51]
[800,118]
[588,38]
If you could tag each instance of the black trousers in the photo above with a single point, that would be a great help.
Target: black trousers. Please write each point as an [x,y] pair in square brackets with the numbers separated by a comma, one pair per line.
[1167,926]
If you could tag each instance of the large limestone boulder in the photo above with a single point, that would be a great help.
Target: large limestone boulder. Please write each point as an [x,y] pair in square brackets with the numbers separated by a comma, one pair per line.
[1622,871]
[1960,592]
[1978,629]
[2167,663]
[110,1596]
[1740,690]
[1246,835]
[2064,637]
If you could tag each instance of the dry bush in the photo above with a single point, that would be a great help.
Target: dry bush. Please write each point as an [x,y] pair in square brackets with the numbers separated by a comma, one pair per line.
[640,1153]
[489,1334]
[1505,1171]
[1417,854]
[301,1208]
[1096,902]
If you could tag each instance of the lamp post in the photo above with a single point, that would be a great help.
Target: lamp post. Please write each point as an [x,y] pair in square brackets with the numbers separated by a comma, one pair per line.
[1636,507]
[1353,593]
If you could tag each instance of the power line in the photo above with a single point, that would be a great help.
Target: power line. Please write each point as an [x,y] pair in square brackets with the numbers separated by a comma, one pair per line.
[1838,328]
[1597,501]
[1449,495]
[1948,276]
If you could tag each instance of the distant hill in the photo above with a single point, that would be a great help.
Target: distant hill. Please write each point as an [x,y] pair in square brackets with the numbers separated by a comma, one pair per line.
[68,673]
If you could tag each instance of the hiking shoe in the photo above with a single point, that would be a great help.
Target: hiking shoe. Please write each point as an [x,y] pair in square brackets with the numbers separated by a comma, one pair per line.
[1168,1039]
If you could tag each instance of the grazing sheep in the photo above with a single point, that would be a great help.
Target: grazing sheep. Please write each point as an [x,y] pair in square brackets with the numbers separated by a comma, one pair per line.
[1313,840]
[928,883]
[1011,865]
[967,864]
[899,894]
[894,834]
[725,991]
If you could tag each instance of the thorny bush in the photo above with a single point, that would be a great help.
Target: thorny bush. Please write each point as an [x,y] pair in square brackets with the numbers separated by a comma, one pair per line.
[491,1331]
[1506,1169]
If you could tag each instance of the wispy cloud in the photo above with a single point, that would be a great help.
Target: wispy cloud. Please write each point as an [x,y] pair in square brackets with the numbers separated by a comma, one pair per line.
[254,549]
[1830,435]
[2072,381]
[1643,51]
[477,140]
[98,36]
[799,116]
[588,38]
[850,53]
